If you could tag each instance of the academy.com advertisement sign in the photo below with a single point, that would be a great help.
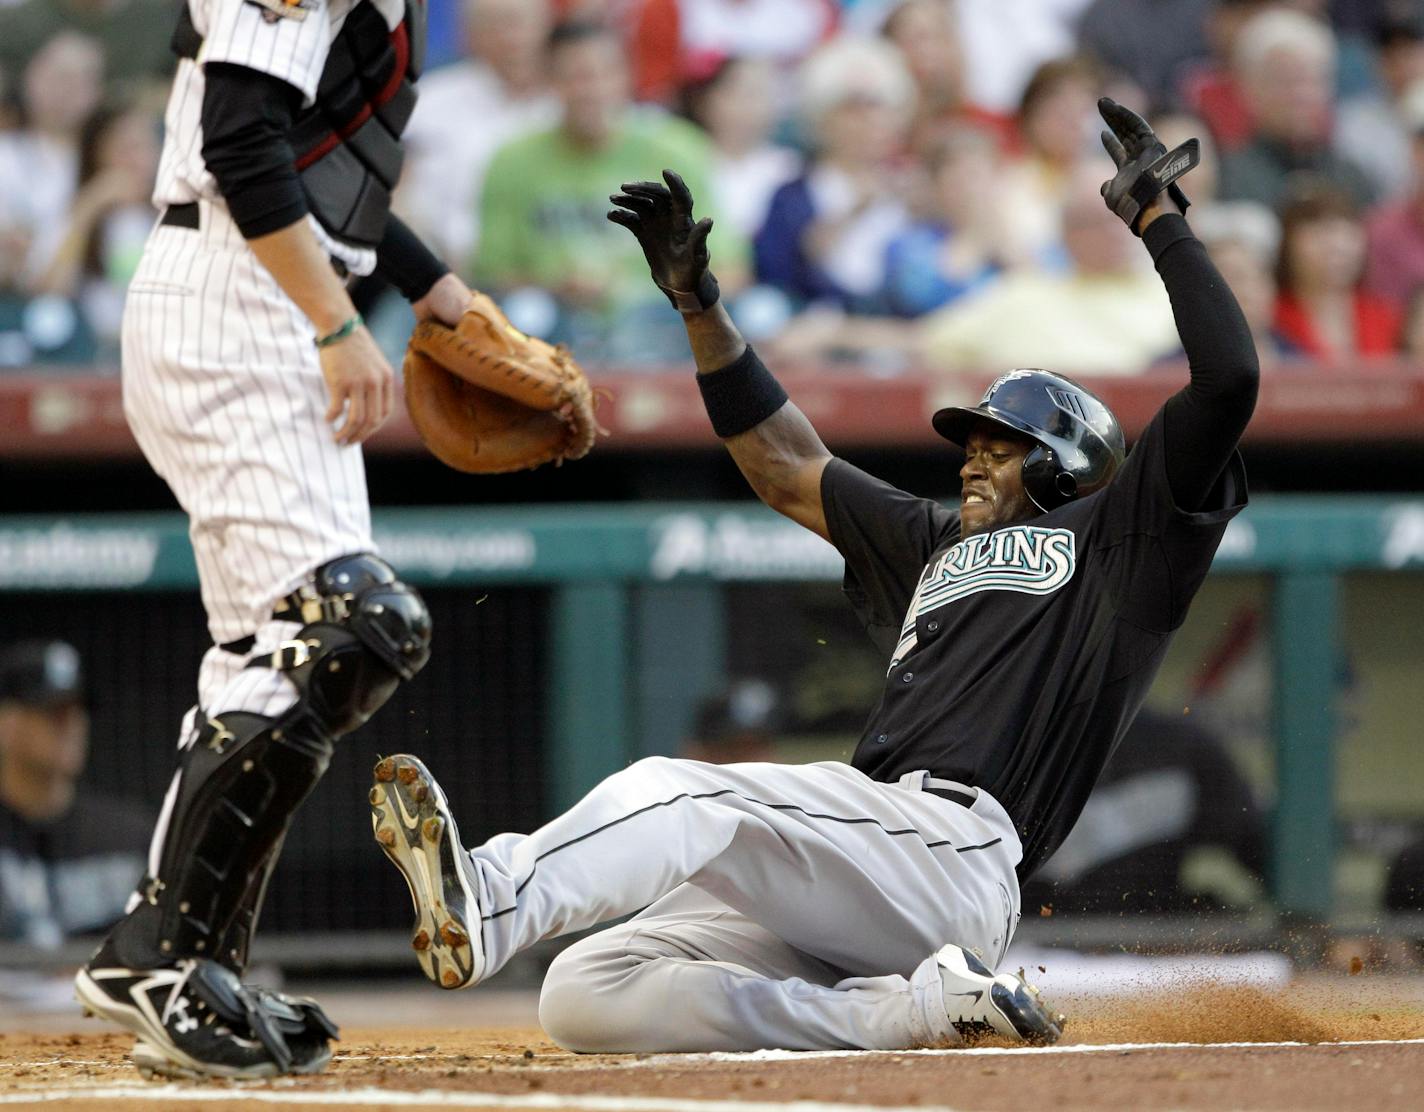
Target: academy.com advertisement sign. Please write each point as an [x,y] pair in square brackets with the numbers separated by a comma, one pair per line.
[554,544]
[455,554]
[64,557]
[739,546]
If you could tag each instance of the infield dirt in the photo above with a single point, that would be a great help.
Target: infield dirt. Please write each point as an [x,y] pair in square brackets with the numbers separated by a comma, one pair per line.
[1358,1057]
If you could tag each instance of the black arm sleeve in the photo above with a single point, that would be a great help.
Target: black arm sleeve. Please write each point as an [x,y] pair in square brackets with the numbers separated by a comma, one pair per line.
[405,262]
[1203,421]
[246,118]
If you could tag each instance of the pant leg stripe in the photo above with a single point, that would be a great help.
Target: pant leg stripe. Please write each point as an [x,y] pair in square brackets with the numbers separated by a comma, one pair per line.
[714,795]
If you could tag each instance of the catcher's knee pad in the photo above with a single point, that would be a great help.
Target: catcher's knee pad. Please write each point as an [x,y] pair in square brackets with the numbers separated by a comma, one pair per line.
[364,631]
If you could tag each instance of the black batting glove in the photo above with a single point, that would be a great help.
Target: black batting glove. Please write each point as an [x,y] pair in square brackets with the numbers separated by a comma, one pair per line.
[676,248]
[1144,165]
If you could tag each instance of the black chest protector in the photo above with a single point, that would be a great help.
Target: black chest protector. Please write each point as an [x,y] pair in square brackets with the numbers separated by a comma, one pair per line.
[347,143]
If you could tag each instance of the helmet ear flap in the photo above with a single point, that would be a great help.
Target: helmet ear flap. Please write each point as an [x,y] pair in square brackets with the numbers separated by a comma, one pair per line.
[1046,482]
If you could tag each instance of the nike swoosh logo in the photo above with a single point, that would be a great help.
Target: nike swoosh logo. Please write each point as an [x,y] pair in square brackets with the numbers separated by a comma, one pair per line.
[977,994]
[410,821]
[1174,168]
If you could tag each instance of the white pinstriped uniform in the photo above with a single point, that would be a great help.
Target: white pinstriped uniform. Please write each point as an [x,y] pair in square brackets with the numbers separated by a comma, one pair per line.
[222,385]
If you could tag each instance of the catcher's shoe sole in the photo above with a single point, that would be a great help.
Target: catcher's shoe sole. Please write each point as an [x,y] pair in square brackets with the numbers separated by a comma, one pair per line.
[155,1065]
[96,999]
[978,1002]
[161,1056]
[411,820]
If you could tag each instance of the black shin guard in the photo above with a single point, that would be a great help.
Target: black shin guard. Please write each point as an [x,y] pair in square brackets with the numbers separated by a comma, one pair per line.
[244,776]
[236,942]
[239,785]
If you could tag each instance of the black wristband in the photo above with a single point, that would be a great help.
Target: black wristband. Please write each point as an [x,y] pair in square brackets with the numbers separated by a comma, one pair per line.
[740,396]
[695,301]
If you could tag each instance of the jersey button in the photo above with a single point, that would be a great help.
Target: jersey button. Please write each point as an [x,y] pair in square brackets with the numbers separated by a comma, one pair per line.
[932,626]
[907,677]
[882,739]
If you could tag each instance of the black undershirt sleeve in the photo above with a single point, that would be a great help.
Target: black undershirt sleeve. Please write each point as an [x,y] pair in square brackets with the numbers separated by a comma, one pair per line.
[1203,421]
[404,260]
[246,117]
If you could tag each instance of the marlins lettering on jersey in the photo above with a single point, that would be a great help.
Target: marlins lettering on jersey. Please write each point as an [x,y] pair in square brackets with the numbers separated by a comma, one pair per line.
[1024,558]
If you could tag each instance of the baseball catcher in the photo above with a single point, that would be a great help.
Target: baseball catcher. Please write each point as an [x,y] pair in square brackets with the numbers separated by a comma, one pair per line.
[250,382]
[869,905]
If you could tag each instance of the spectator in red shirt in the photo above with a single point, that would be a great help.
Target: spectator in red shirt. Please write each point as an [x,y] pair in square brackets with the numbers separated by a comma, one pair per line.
[1395,269]
[1211,89]
[1243,240]
[671,39]
[1321,308]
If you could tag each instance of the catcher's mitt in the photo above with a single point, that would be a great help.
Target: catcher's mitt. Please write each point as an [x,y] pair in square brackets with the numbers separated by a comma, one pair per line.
[487,398]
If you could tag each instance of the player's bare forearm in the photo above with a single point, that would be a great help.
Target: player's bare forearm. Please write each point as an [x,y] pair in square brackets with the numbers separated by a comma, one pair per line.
[296,260]
[360,383]
[782,457]
[716,342]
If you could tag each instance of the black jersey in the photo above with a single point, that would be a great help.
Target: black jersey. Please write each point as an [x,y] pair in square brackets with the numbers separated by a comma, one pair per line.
[1018,657]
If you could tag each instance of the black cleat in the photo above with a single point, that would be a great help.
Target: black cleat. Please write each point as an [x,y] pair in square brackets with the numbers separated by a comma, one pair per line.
[195,1019]
[979,1003]
[411,819]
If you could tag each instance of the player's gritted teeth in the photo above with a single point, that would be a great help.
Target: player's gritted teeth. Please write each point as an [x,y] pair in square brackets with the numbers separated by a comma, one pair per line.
[993,494]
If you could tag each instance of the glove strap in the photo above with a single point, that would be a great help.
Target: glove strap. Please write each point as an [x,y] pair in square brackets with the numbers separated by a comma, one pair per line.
[1162,174]
[688,302]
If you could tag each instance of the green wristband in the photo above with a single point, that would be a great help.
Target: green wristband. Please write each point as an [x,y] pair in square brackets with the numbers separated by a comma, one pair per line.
[341,333]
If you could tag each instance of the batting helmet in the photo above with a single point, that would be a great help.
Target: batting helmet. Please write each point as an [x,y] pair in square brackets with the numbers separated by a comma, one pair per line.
[1080,443]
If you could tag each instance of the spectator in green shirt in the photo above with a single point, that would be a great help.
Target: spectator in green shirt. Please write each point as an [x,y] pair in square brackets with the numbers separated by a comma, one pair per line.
[546,193]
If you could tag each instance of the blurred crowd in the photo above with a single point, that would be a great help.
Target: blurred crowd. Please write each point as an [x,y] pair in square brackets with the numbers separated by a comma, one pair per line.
[896,183]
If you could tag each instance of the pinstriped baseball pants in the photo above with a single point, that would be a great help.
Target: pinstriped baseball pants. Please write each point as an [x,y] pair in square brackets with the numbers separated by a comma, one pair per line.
[223,391]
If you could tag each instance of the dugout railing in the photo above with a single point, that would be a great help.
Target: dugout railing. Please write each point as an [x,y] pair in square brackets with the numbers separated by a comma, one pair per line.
[574,639]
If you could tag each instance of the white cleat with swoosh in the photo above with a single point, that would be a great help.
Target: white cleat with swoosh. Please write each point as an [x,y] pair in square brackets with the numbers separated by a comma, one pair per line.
[412,823]
[980,1003]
